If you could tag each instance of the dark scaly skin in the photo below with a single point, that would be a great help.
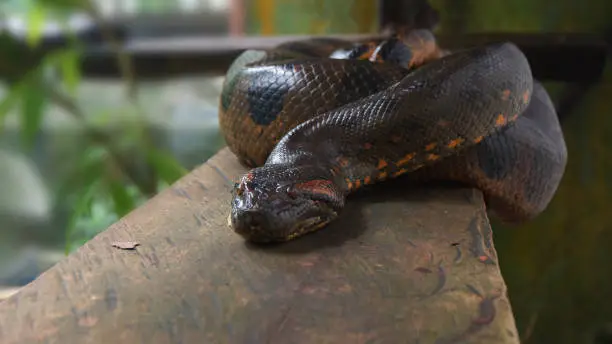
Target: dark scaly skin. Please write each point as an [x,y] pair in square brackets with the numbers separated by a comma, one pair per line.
[519,168]
[320,128]
[252,115]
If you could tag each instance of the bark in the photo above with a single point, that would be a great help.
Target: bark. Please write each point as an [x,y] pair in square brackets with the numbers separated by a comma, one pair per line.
[401,265]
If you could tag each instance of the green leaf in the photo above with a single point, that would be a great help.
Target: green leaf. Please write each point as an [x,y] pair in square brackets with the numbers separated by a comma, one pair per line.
[68,62]
[33,105]
[92,166]
[88,169]
[123,202]
[82,206]
[71,72]
[36,22]
[166,166]
[10,100]
[87,224]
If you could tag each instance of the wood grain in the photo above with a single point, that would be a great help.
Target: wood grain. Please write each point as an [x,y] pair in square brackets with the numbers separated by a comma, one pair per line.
[400,266]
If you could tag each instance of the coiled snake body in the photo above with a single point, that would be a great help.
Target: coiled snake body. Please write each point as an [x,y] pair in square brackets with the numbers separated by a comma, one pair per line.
[315,128]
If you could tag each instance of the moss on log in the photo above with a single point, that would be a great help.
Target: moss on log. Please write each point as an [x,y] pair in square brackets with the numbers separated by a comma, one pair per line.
[400,266]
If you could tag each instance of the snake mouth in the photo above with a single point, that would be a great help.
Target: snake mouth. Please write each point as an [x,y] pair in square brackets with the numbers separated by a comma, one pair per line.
[309,225]
[284,203]
[261,227]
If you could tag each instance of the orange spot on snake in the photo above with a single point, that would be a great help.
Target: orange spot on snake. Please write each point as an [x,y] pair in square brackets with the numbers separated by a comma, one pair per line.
[505,94]
[382,175]
[431,146]
[367,180]
[406,159]
[349,184]
[500,120]
[478,139]
[357,184]
[368,53]
[526,97]
[433,157]
[400,172]
[381,164]
[319,186]
[364,56]
[454,143]
[514,117]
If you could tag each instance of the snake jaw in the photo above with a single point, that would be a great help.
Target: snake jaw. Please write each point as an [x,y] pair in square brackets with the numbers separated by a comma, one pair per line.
[276,204]
[310,225]
[262,224]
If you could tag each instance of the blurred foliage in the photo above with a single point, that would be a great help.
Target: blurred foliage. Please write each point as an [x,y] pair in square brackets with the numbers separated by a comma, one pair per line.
[107,180]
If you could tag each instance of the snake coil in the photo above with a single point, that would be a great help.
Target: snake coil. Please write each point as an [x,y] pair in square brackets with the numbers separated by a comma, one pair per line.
[319,119]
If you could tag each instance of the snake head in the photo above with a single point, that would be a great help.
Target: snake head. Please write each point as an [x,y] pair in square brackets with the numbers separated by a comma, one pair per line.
[277,203]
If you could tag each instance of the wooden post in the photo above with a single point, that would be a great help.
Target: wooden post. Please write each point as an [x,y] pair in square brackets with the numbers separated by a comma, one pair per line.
[402,265]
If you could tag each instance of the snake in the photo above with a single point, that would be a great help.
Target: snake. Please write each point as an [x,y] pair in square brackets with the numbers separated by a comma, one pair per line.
[315,120]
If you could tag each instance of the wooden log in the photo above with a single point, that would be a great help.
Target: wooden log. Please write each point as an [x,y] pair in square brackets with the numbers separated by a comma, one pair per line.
[6,292]
[400,266]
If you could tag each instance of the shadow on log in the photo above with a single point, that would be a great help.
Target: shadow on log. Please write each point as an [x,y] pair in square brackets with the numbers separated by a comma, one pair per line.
[397,267]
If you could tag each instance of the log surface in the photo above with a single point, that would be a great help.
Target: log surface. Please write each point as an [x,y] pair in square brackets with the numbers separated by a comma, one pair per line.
[399,266]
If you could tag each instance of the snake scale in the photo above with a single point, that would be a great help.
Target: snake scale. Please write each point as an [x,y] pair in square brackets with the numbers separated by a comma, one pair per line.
[317,119]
